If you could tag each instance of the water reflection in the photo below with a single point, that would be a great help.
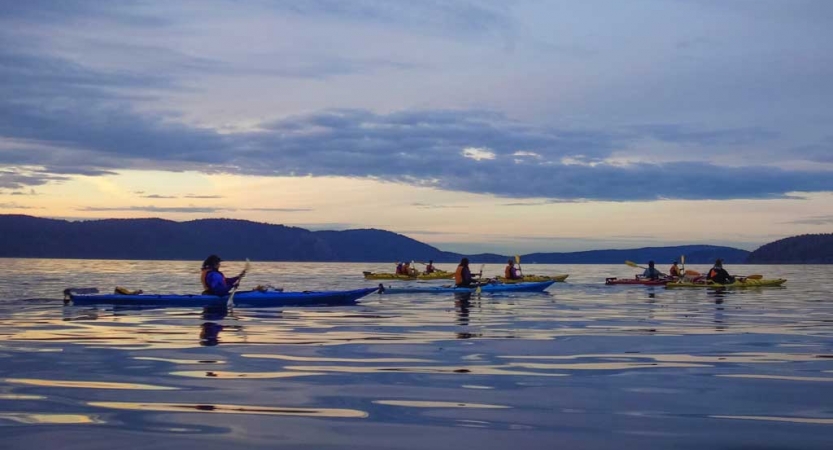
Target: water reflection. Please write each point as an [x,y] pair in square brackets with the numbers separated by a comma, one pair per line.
[210,333]
[532,361]
[233,409]
[50,419]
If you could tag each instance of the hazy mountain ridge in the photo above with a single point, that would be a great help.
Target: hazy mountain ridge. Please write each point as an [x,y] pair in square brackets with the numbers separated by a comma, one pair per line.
[803,249]
[149,239]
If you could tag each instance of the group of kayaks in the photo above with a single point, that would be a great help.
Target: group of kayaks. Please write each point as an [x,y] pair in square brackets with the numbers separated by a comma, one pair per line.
[740,282]
[276,297]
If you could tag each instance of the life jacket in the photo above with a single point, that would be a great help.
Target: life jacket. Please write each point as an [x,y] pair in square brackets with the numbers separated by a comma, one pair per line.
[458,275]
[429,268]
[509,273]
[400,269]
[203,278]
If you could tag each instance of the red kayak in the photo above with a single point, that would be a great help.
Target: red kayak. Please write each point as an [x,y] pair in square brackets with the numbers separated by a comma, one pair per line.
[639,281]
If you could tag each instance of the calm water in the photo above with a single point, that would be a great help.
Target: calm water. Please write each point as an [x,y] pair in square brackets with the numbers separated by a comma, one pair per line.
[581,366]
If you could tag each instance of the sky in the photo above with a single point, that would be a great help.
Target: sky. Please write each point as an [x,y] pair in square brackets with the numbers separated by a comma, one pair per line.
[474,126]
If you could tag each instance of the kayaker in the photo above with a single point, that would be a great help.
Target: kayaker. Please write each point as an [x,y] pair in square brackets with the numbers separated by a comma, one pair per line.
[462,277]
[719,275]
[213,281]
[651,272]
[400,269]
[510,273]
[674,271]
[429,269]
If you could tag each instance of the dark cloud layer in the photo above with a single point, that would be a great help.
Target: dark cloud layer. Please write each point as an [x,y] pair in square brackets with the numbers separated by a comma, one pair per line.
[85,120]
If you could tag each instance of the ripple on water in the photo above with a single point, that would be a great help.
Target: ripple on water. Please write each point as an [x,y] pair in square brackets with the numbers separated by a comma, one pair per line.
[51,419]
[232,409]
[88,384]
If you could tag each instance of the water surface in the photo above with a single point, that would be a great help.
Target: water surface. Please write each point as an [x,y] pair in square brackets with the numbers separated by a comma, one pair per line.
[581,366]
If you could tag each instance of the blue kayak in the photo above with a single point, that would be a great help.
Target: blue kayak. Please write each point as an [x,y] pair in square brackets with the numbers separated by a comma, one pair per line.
[488,288]
[250,299]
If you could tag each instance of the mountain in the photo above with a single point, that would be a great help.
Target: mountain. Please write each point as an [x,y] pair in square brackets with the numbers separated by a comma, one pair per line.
[694,254]
[804,249]
[157,239]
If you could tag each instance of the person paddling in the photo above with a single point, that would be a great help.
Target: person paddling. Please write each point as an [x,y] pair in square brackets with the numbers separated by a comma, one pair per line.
[510,273]
[462,277]
[651,272]
[674,271]
[213,281]
[719,275]
[429,269]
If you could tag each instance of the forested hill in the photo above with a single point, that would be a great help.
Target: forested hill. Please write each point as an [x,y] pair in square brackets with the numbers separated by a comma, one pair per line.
[804,249]
[694,254]
[157,239]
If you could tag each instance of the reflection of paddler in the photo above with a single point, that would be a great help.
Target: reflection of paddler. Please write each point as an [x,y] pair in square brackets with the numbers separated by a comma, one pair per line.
[209,334]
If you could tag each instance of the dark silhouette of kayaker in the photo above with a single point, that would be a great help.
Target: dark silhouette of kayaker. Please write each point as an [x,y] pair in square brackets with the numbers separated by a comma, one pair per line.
[510,273]
[674,271]
[651,272]
[719,275]
[213,281]
[429,269]
[462,277]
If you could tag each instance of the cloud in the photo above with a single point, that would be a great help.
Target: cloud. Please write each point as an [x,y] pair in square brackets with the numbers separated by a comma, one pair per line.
[821,151]
[817,220]
[157,196]
[62,114]
[278,209]
[203,196]
[17,179]
[13,205]
[427,206]
[682,134]
[156,209]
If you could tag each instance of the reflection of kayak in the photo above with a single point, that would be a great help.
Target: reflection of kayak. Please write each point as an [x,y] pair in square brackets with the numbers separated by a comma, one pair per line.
[242,298]
[494,287]
[737,284]
[535,278]
[638,281]
[438,275]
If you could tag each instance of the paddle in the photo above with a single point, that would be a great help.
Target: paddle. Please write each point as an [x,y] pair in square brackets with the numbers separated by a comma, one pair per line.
[230,303]
[518,263]
[682,262]
[751,277]
[635,265]
[478,290]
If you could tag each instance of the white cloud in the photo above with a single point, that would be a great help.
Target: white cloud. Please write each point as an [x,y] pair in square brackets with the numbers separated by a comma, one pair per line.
[478,154]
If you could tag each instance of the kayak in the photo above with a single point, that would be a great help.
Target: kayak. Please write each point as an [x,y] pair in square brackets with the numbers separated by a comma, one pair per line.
[535,278]
[242,298]
[638,281]
[737,284]
[438,275]
[487,288]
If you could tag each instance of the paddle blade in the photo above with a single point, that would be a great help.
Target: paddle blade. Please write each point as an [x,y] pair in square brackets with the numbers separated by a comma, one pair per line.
[754,277]
[632,264]
[478,290]
[517,259]
[682,260]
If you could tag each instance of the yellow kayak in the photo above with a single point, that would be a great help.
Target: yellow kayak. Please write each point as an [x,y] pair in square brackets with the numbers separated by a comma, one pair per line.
[737,284]
[438,275]
[535,278]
